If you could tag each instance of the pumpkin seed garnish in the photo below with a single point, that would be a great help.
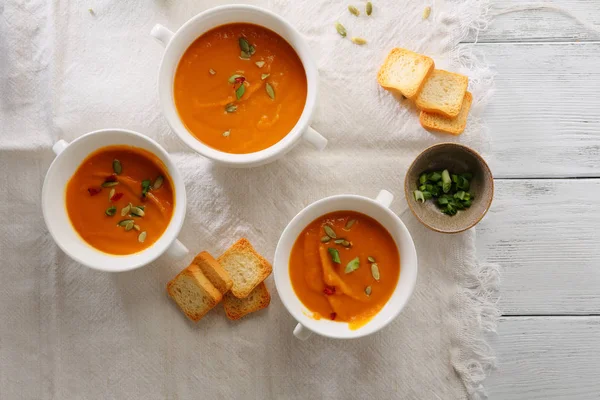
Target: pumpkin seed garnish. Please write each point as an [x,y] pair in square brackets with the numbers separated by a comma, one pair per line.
[109,184]
[264,76]
[137,211]
[212,71]
[233,77]
[252,50]
[375,271]
[136,227]
[244,55]
[124,222]
[230,108]
[353,10]
[359,41]
[371,259]
[352,266]
[338,241]
[270,91]
[426,12]
[335,255]
[368,290]
[125,210]
[329,231]
[110,211]
[117,167]
[142,237]
[240,91]
[111,194]
[349,224]
[346,243]
[369,8]
[325,239]
[340,29]
[129,226]
[244,45]
[158,182]
[260,64]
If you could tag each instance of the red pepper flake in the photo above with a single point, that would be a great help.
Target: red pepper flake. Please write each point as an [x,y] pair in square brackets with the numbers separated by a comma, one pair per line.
[329,290]
[116,197]
[332,316]
[111,178]
[240,79]
[94,191]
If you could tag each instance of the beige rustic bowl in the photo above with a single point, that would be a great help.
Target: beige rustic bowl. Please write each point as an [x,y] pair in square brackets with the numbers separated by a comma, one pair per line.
[457,159]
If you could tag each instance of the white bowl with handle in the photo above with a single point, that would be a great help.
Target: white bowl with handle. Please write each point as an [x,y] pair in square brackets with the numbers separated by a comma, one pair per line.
[176,44]
[69,157]
[379,210]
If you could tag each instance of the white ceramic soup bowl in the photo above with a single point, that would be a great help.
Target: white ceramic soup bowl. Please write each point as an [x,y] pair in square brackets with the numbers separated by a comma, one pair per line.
[69,157]
[377,209]
[178,42]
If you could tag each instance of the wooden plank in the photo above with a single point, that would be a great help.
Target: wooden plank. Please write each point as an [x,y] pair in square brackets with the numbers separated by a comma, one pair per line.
[544,117]
[579,21]
[546,358]
[545,235]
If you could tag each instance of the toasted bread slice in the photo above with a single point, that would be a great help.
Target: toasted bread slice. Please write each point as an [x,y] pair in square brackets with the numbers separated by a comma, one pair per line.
[246,267]
[236,308]
[213,271]
[453,126]
[193,292]
[443,93]
[405,72]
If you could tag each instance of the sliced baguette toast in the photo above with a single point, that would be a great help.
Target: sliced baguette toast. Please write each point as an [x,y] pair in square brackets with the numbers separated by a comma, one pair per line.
[405,72]
[236,308]
[193,292]
[453,126]
[443,93]
[245,266]
[215,273]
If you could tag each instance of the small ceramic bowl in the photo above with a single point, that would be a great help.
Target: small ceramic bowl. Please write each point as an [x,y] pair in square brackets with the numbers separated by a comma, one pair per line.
[379,210]
[457,159]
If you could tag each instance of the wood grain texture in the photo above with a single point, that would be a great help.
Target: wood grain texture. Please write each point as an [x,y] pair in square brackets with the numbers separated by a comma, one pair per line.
[545,235]
[546,358]
[544,118]
[532,23]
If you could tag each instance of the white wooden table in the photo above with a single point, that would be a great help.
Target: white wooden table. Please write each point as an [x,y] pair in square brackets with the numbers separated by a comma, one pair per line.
[543,227]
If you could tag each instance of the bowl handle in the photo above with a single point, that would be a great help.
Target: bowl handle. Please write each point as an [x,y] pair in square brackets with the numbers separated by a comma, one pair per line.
[384,198]
[302,332]
[315,138]
[59,146]
[161,34]
[177,250]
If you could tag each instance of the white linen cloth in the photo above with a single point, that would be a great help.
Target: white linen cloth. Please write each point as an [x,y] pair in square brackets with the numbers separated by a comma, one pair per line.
[67,332]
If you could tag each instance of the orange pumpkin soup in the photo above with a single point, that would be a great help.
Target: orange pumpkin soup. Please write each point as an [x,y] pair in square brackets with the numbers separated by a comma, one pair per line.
[344,266]
[120,200]
[240,88]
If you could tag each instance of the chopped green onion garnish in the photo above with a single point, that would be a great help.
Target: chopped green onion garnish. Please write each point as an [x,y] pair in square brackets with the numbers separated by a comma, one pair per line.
[435,176]
[446,181]
[419,196]
[423,178]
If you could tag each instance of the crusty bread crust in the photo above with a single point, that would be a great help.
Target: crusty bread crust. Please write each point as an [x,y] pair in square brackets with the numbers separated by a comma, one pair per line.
[240,260]
[446,100]
[404,63]
[193,292]
[215,273]
[236,308]
[440,123]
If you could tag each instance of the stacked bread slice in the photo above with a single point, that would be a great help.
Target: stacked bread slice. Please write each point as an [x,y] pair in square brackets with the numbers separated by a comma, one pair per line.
[236,278]
[441,96]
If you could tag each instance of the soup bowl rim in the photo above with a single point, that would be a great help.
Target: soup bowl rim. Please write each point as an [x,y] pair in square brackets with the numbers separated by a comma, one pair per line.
[94,258]
[172,55]
[401,294]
